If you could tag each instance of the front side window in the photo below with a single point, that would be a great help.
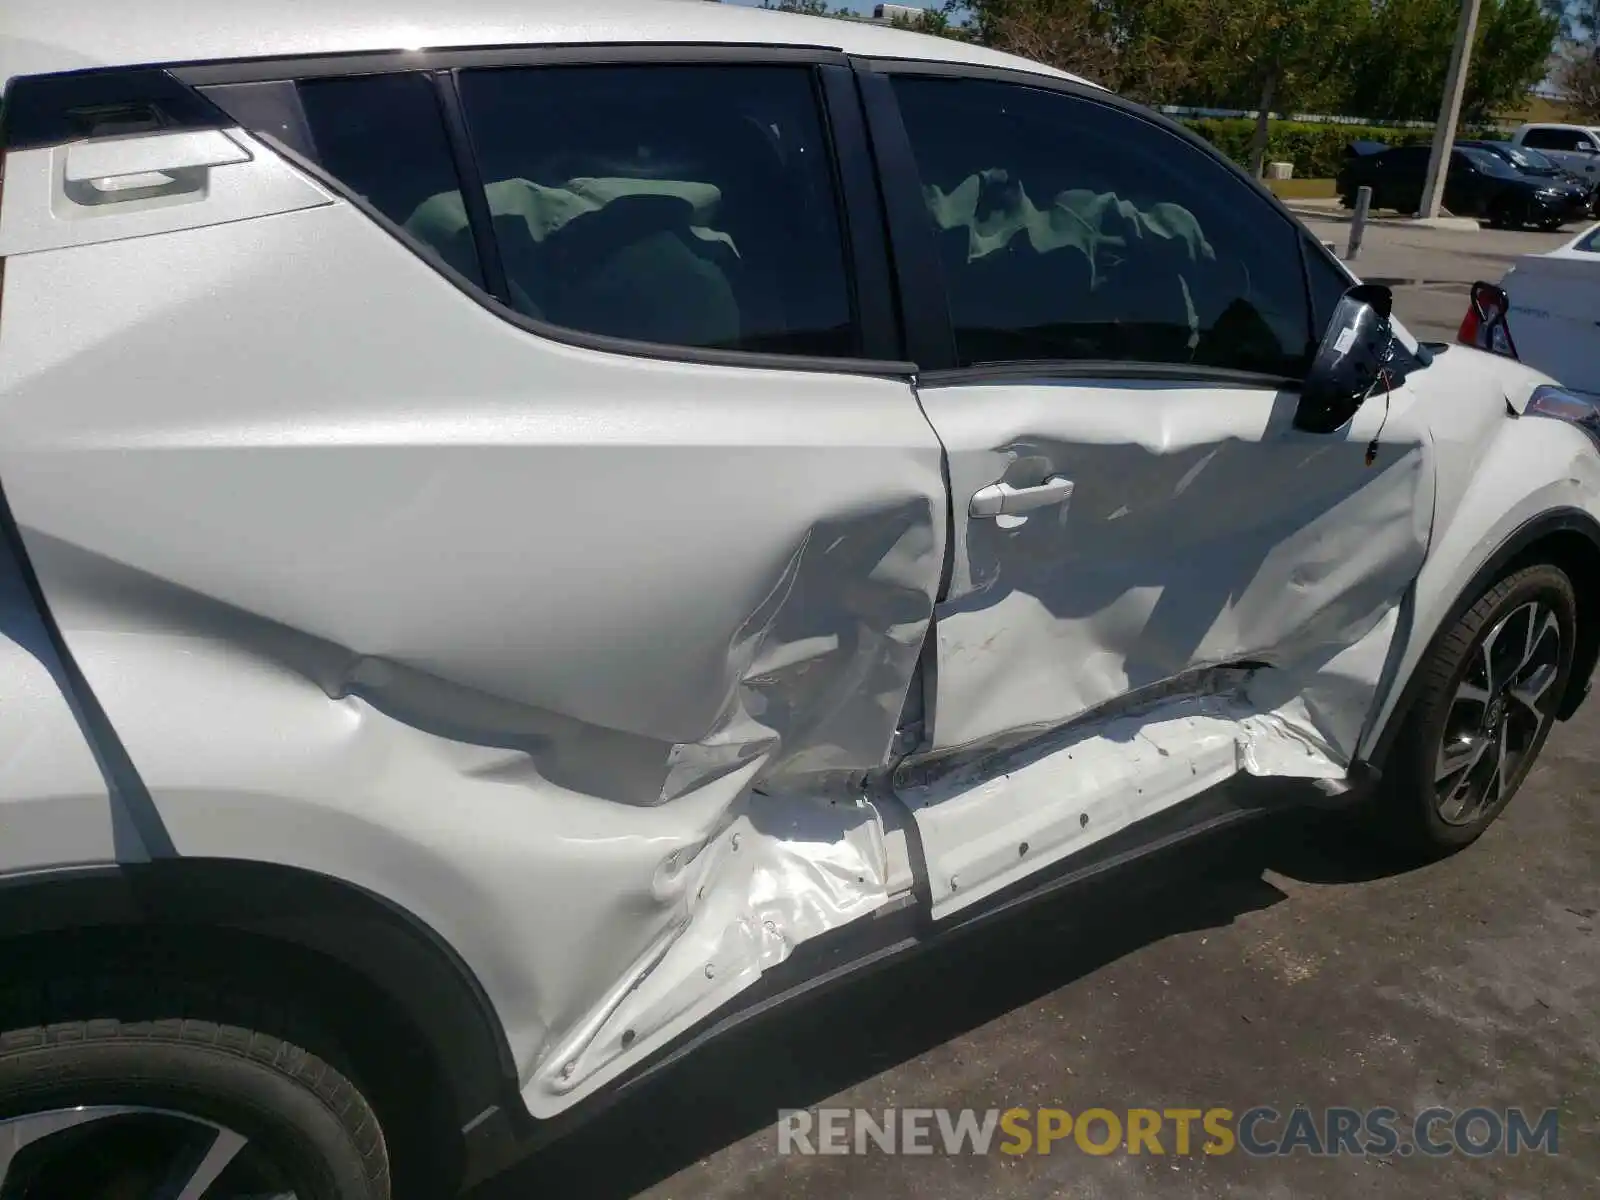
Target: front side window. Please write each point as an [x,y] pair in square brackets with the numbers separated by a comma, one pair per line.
[1489,164]
[1071,230]
[687,205]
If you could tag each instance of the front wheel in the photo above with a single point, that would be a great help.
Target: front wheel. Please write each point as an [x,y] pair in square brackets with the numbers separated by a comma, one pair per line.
[170,1105]
[1491,688]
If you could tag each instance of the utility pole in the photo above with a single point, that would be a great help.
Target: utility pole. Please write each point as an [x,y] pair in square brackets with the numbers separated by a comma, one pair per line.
[1444,133]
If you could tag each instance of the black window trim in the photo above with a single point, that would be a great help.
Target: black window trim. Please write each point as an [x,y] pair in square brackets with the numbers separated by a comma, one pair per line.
[930,337]
[844,129]
[474,200]
[1048,371]
[390,62]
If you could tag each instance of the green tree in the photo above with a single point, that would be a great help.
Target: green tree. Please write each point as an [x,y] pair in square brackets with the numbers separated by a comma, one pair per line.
[1403,52]
[1384,59]
[1140,48]
[1267,54]
[1511,54]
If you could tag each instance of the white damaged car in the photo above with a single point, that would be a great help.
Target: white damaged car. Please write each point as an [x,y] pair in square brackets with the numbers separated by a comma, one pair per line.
[534,532]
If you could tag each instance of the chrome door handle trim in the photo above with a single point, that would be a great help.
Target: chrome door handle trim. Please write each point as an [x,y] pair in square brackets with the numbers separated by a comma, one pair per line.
[1002,498]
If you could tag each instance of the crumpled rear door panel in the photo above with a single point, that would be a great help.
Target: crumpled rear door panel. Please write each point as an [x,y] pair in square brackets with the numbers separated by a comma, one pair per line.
[531,639]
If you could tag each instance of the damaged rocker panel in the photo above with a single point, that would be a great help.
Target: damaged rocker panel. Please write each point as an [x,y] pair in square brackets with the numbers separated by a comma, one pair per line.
[987,820]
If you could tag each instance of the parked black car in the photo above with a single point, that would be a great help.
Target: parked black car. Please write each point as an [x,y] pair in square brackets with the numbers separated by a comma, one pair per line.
[1531,162]
[1478,184]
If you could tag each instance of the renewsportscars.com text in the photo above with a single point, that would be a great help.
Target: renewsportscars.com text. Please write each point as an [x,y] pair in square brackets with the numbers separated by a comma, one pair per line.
[1260,1131]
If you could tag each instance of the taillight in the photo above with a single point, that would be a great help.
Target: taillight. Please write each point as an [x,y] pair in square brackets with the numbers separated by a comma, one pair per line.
[1485,325]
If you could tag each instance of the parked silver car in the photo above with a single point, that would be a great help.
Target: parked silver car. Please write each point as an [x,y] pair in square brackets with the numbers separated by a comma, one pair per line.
[1575,147]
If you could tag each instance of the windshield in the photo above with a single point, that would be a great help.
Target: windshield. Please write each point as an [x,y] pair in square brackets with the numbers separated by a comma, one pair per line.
[1590,244]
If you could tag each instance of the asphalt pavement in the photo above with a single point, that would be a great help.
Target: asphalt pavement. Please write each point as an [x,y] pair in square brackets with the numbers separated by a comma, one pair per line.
[1429,269]
[1292,964]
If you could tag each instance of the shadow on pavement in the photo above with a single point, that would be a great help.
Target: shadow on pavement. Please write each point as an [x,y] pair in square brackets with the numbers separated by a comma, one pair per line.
[801,1055]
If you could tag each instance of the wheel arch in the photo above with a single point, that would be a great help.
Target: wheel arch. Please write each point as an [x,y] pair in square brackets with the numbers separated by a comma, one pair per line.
[1568,538]
[362,968]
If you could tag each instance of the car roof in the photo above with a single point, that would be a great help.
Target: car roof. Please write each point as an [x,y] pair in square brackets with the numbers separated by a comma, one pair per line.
[1558,125]
[46,36]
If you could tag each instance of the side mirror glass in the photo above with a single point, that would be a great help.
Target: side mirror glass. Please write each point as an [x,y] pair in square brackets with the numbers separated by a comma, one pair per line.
[1356,347]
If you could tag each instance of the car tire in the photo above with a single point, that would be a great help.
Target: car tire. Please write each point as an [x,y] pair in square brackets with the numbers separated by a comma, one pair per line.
[1490,688]
[164,1097]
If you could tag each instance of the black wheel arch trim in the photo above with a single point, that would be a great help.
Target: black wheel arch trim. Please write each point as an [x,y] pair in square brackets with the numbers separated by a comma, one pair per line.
[1554,523]
[389,949]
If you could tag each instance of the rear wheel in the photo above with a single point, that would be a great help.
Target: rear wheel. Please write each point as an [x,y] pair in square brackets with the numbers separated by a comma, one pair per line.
[1491,688]
[179,1107]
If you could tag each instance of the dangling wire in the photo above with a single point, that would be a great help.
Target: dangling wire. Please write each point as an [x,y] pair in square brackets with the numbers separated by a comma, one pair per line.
[1388,387]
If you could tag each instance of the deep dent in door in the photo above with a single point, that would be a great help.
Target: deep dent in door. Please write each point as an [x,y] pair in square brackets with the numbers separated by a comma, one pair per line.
[573,656]
[1165,560]
[1220,593]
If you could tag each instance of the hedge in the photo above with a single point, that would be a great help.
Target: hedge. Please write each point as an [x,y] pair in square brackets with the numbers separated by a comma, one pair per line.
[1317,151]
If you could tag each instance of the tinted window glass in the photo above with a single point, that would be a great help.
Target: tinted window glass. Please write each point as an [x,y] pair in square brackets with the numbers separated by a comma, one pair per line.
[1489,164]
[1406,158]
[1528,160]
[383,137]
[1328,284]
[688,205]
[1071,230]
[1551,139]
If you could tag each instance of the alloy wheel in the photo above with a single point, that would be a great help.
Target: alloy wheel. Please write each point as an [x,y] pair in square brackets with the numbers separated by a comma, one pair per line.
[1501,708]
[118,1152]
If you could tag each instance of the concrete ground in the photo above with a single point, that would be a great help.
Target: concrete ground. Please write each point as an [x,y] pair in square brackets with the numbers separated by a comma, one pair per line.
[1429,269]
[1290,964]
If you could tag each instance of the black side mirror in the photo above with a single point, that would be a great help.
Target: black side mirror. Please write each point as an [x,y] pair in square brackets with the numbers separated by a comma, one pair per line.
[1356,347]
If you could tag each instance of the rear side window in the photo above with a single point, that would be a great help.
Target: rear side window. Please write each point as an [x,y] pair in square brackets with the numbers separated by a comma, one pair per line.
[688,205]
[1071,230]
[1412,159]
[383,137]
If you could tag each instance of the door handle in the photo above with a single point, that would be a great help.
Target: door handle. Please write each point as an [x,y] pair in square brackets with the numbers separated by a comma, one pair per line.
[1000,498]
[149,153]
[99,171]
